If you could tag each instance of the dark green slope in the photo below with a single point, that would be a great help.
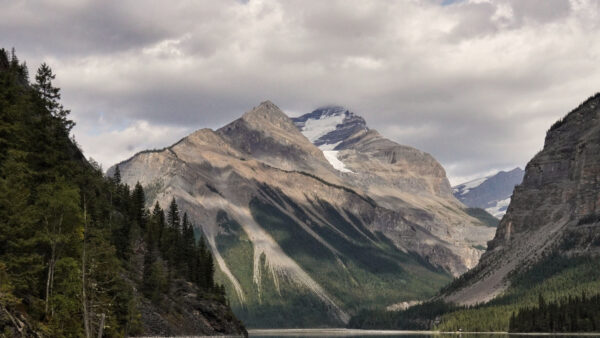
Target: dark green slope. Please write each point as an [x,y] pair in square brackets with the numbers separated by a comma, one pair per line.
[364,270]
[556,279]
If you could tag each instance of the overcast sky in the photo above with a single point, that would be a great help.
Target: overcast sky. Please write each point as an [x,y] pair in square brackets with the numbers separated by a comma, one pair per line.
[474,83]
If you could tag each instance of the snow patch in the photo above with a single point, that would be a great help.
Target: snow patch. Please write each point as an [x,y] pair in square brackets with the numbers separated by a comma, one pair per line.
[315,128]
[331,156]
[464,188]
[499,209]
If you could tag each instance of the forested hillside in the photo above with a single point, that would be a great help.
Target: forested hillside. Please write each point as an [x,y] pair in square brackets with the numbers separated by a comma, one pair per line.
[75,247]
[558,294]
[541,271]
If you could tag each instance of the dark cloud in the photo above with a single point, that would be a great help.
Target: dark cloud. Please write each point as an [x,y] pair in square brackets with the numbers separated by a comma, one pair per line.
[474,82]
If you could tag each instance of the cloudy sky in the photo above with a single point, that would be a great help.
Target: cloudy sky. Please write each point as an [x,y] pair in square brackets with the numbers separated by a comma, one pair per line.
[475,83]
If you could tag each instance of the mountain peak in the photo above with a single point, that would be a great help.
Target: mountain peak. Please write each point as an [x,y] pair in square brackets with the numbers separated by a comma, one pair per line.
[269,134]
[329,125]
[265,110]
[268,116]
[267,105]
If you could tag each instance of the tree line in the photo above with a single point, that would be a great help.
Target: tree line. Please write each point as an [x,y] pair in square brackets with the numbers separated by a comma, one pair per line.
[69,236]
[575,314]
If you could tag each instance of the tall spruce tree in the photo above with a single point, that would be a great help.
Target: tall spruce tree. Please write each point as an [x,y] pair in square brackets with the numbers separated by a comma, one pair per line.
[50,96]
[139,205]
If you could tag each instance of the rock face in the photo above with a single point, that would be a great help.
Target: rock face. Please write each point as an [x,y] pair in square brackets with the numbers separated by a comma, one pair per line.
[555,209]
[299,242]
[330,125]
[491,193]
[399,177]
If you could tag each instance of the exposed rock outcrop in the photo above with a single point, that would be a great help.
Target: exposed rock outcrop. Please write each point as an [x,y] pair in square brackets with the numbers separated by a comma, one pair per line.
[555,209]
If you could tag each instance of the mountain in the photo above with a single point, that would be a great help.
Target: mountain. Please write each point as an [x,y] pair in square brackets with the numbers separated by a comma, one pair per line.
[302,237]
[491,193]
[547,244]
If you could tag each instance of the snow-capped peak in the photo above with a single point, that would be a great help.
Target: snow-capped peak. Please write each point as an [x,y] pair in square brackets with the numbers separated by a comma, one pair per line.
[327,128]
[464,188]
[314,129]
[329,125]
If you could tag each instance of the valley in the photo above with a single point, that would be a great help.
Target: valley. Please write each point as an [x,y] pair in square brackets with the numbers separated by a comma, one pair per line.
[253,168]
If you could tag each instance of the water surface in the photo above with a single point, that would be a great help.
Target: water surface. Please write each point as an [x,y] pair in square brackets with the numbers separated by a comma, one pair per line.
[313,333]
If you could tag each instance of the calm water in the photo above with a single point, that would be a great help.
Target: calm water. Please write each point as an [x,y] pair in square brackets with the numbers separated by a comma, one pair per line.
[313,333]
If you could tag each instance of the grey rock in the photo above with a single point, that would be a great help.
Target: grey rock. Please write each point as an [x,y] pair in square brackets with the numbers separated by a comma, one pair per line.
[554,210]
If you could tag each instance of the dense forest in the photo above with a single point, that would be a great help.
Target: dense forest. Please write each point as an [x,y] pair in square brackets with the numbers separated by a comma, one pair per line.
[575,314]
[72,240]
[419,317]
[557,280]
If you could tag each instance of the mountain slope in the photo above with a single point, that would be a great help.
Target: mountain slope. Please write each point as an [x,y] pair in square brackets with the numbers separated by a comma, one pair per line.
[553,213]
[491,193]
[400,177]
[299,242]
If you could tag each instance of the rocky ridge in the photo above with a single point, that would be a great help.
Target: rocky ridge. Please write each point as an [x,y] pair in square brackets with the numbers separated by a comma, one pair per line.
[555,210]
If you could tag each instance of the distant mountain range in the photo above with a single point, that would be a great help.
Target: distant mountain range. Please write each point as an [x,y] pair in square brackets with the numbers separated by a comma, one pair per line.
[313,218]
[491,193]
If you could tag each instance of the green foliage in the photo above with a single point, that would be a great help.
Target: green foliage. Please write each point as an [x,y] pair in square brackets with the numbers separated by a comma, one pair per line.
[418,317]
[555,278]
[547,297]
[575,314]
[67,232]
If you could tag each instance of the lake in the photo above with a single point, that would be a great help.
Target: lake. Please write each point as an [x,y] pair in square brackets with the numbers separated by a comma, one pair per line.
[257,333]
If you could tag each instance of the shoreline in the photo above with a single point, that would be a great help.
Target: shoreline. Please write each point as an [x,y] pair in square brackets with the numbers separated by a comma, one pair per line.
[359,332]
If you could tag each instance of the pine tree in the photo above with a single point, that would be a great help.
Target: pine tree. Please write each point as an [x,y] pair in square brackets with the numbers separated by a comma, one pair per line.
[157,231]
[139,205]
[209,270]
[173,216]
[4,62]
[117,175]
[50,96]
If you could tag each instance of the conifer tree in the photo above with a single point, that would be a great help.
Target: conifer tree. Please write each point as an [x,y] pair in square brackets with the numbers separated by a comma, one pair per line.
[173,216]
[50,95]
[117,175]
[139,205]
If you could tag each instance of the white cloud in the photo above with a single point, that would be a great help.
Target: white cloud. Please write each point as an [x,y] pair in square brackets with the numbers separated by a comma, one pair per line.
[108,146]
[475,83]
